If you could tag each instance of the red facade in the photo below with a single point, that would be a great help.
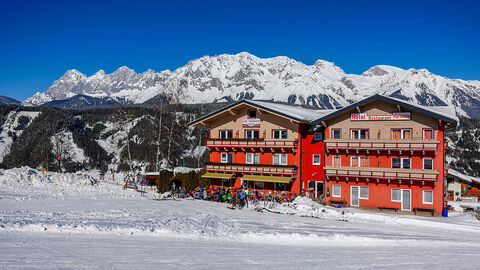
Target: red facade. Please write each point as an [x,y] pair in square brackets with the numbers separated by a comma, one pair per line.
[397,164]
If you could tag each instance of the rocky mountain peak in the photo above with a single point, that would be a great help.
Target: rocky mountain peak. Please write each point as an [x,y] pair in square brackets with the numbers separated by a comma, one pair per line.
[229,77]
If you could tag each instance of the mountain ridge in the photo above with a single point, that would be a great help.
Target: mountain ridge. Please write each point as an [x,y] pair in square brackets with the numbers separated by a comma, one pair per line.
[232,77]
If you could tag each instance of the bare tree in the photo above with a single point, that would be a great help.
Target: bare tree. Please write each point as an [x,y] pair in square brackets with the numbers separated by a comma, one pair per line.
[60,150]
[125,118]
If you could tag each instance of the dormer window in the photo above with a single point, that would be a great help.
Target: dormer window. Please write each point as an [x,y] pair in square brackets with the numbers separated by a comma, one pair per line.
[252,113]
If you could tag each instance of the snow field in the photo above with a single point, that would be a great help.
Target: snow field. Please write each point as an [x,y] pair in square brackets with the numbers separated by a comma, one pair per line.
[60,220]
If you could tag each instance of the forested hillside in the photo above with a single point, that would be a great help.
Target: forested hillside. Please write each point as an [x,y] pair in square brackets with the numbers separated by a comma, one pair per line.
[126,138]
[464,149]
[120,137]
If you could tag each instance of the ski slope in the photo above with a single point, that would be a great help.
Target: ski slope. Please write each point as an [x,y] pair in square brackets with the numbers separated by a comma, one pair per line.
[50,221]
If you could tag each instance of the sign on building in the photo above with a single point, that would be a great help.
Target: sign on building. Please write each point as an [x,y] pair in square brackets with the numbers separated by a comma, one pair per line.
[366,117]
[251,122]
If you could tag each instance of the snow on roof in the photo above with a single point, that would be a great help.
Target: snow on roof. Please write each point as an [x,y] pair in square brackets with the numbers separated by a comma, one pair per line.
[466,178]
[292,111]
[447,111]
[151,174]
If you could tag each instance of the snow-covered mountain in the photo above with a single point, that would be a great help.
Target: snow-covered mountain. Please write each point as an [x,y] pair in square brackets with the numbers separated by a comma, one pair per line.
[9,101]
[232,77]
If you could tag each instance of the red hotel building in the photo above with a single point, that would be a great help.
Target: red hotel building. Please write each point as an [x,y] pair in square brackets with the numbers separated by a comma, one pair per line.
[379,152]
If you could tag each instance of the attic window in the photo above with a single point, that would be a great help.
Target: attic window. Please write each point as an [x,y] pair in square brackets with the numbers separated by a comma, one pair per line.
[252,113]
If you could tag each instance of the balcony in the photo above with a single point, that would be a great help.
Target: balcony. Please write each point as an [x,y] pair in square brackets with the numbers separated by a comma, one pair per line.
[381,145]
[252,144]
[252,168]
[377,174]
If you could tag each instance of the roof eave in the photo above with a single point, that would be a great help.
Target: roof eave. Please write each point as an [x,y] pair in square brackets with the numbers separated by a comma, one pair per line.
[384,98]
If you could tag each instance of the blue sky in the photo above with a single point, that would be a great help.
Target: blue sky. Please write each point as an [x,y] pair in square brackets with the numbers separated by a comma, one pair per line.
[40,40]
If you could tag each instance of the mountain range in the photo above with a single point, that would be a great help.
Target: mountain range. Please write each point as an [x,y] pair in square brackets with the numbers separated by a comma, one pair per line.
[8,101]
[232,77]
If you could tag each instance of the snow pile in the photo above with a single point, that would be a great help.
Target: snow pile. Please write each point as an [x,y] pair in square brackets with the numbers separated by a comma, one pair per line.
[27,184]
[305,207]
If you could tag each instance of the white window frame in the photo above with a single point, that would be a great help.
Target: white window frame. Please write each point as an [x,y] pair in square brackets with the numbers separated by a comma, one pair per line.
[225,132]
[255,158]
[280,159]
[339,191]
[359,161]
[333,133]
[224,157]
[401,163]
[319,159]
[423,197]
[277,134]
[333,160]
[252,137]
[360,190]
[400,193]
[424,163]
[355,130]
[433,133]
[402,132]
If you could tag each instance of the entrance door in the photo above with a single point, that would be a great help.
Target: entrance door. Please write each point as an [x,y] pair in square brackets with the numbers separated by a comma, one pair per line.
[354,195]
[318,189]
[406,200]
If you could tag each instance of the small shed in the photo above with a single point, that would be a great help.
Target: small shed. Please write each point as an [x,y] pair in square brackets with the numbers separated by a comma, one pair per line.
[151,178]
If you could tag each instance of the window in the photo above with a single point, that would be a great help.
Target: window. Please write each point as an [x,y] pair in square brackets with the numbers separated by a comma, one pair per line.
[428,196]
[279,133]
[252,158]
[227,158]
[336,133]
[359,162]
[359,133]
[428,134]
[226,183]
[251,133]
[401,134]
[337,161]
[316,159]
[317,136]
[428,164]
[364,193]
[252,113]
[396,195]
[280,159]
[406,163]
[259,185]
[226,134]
[336,191]
[403,163]
[281,186]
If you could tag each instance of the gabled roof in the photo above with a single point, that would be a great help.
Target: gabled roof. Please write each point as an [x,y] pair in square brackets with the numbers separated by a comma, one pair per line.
[296,113]
[445,113]
[464,177]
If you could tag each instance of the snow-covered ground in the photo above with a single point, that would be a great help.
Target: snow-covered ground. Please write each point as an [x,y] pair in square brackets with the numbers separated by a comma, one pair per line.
[50,221]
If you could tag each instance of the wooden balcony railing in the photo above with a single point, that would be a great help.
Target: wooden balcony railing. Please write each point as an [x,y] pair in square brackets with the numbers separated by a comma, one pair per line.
[374,173]
[255,143]
[381,145]
[252,168]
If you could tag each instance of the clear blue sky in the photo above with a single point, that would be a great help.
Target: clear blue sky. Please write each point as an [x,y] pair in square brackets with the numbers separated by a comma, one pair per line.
[40,40]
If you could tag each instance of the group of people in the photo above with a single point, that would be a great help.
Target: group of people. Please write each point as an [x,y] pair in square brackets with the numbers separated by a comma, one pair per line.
[241,196]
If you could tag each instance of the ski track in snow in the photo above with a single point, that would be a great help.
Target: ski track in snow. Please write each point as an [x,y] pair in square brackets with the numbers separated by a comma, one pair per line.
[62,221]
